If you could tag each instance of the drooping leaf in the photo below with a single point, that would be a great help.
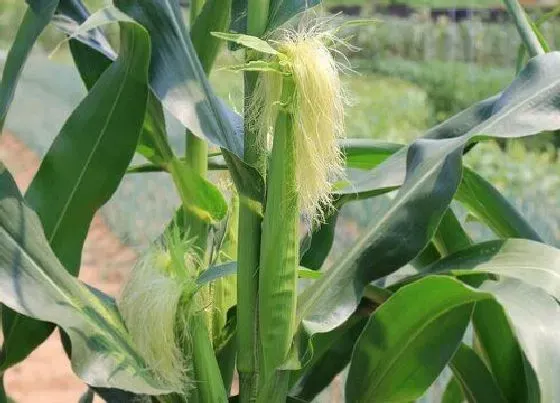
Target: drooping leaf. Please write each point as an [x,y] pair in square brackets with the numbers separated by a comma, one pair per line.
[36,18]
[215,16]
[320,244]
[34,283]
[476,380]
[198,196]
[453,392]
[497,344]
[532,262]
[493,209]
[403,231]
[176,75]
[535,317]
[81,171]
[433,173]
[405,344]
[92,55]
[366,153]
[330,354]
[450,236]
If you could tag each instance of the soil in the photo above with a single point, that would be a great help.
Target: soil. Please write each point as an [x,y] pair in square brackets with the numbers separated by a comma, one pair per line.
[45,376]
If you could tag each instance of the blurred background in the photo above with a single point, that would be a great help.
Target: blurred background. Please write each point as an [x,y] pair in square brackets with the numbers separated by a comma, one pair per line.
[418,63]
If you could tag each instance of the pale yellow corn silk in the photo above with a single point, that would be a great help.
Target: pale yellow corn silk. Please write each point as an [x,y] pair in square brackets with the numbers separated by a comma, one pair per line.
[317,108]
[156,303]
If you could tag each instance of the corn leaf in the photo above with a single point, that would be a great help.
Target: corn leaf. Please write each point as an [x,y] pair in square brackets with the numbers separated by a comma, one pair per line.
[405,345]
[535,317]
[215,16]
[433,173]
[176,75]
[81,171]
[497,343]
[330,355]
[36,18]
[532,262]
[476,380]
[493,209]
[453,392]
[102,351]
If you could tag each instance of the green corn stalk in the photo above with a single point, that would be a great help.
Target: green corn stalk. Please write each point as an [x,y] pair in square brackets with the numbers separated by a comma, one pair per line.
[250,218]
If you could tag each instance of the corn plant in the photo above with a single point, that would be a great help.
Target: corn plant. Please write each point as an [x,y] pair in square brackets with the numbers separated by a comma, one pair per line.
[239,288]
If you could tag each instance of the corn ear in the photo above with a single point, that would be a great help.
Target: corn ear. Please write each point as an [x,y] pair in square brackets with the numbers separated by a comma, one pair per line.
[280,244]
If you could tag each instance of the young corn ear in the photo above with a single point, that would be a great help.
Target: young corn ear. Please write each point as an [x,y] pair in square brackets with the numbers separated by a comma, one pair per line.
[317,109]
[156,304]
[301,109]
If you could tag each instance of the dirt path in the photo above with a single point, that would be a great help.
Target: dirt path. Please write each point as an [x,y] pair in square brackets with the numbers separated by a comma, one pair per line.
[45,376]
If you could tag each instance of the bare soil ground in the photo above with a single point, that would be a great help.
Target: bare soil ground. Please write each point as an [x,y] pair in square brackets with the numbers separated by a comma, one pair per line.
[45,376]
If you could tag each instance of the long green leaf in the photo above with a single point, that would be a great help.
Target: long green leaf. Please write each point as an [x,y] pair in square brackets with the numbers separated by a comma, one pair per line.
[532,262]
[476,380]
[433,175]
[215,16]
[493,209]
[331,353]
[498,345]
[34,283]
[176,75]
[36,18]
[81,171]
[405,344]
[453,392]
[450,236]
[536,320]
[366,153]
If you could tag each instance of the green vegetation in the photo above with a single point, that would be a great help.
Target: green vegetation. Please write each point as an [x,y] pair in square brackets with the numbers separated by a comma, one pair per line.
[251,278]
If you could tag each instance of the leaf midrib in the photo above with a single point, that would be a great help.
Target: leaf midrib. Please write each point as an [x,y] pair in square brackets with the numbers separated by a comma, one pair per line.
[95,147]
[415,335]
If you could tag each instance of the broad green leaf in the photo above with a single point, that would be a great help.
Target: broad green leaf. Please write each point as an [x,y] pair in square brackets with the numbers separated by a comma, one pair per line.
[535,316]
[493,209]
[433,173]
[450,236]
[102,351]
[176,75]
[248,41]
[329,356]
[366,153]
[476,380]
[81,171]
[215,16]
[453,392]
[198,196]
[36,18]
[532,262]
[92,55]
[497,344]
[406,344]
[397,237]
[320,243]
